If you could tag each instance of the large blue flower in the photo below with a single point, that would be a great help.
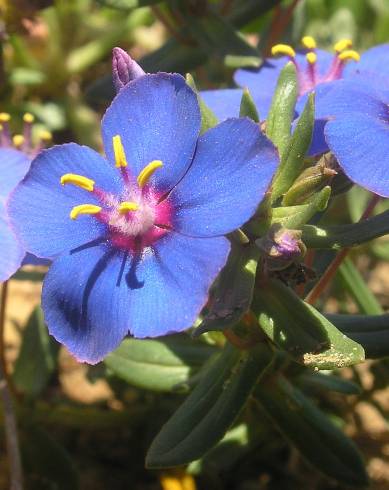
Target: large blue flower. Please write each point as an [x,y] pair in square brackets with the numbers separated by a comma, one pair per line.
[140,256]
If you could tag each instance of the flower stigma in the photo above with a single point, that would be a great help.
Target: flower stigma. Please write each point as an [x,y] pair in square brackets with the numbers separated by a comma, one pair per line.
[309,76]
[134,218]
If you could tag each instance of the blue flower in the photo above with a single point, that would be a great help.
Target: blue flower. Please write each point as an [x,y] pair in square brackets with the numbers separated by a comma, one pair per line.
[15,158]
[144,239]
[314,66]
[357,131]
[316,69]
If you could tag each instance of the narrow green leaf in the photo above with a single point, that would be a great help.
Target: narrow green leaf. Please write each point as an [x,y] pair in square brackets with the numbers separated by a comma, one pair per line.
[371,331]
[247,106]
[318,382]
[211,408]
[233,292]
[240,61]
[292,160]
[160,364]
[337,237]
[294,217]
[311,432]
[37,358]
[282,108]
[357,287]
[208,118]
[244,12]
[301,330]
[127,4]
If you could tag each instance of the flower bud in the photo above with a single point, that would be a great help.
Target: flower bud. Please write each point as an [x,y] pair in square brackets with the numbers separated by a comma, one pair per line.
[280,247]
[124,68]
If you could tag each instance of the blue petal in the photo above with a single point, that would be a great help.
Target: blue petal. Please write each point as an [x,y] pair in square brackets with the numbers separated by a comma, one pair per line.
[158,118]
[360,142]
[224,103]
[350,96]
[30,259]
[12,252]
[375,60]
[94,297]
[231,171]
[13,167]
[39,207]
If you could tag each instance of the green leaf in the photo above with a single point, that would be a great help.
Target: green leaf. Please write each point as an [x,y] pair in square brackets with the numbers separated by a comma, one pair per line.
[160,364]
[371,331]
[233,292]
[247,11]
[240,61]
[294,217]
[37,358]
[357,287]
[320,442]
[337,237]
[208,118]
[292,160]
[217,37]
[282,109]
[205,416]
[46,461]
[303,332]
[318,382]
[247,106]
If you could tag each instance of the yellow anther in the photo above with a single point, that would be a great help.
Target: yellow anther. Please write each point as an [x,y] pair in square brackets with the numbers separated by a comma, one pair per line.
[84,209]
[127,206]
[283,49]
[18,140]
[45,135]
[308,42]
[349,54]
[342,45]
[118,150]
[79,181]
[148,171]
[311,58]
[4,117]
[28,118]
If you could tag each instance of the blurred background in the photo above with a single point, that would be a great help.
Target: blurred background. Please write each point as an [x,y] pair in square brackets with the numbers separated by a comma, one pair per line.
[87,427]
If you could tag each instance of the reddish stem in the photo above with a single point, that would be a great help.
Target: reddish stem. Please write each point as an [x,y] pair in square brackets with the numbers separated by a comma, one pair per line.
[326,278]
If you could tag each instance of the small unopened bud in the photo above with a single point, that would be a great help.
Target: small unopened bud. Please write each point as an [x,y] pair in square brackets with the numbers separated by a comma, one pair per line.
[311,180]
[124,68]
[281,246]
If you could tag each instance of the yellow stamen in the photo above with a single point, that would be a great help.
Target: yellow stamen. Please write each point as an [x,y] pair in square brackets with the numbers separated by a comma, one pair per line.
[84,209]
[79,181]
[283,49]
[148,171]
[18,140]
[127,206]
[118,150]
[45,135]
[311,58]
[4,117]
[308,42]
[28,118]
[349,54]
[342,44]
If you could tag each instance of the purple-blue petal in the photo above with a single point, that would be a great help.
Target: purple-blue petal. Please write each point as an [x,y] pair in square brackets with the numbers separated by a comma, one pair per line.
[224,103]
[231,171]
[39,208]
[94,297]
[12,252]
[351,96]
[14,165]
[158,118]
[360,143]
[375,61]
